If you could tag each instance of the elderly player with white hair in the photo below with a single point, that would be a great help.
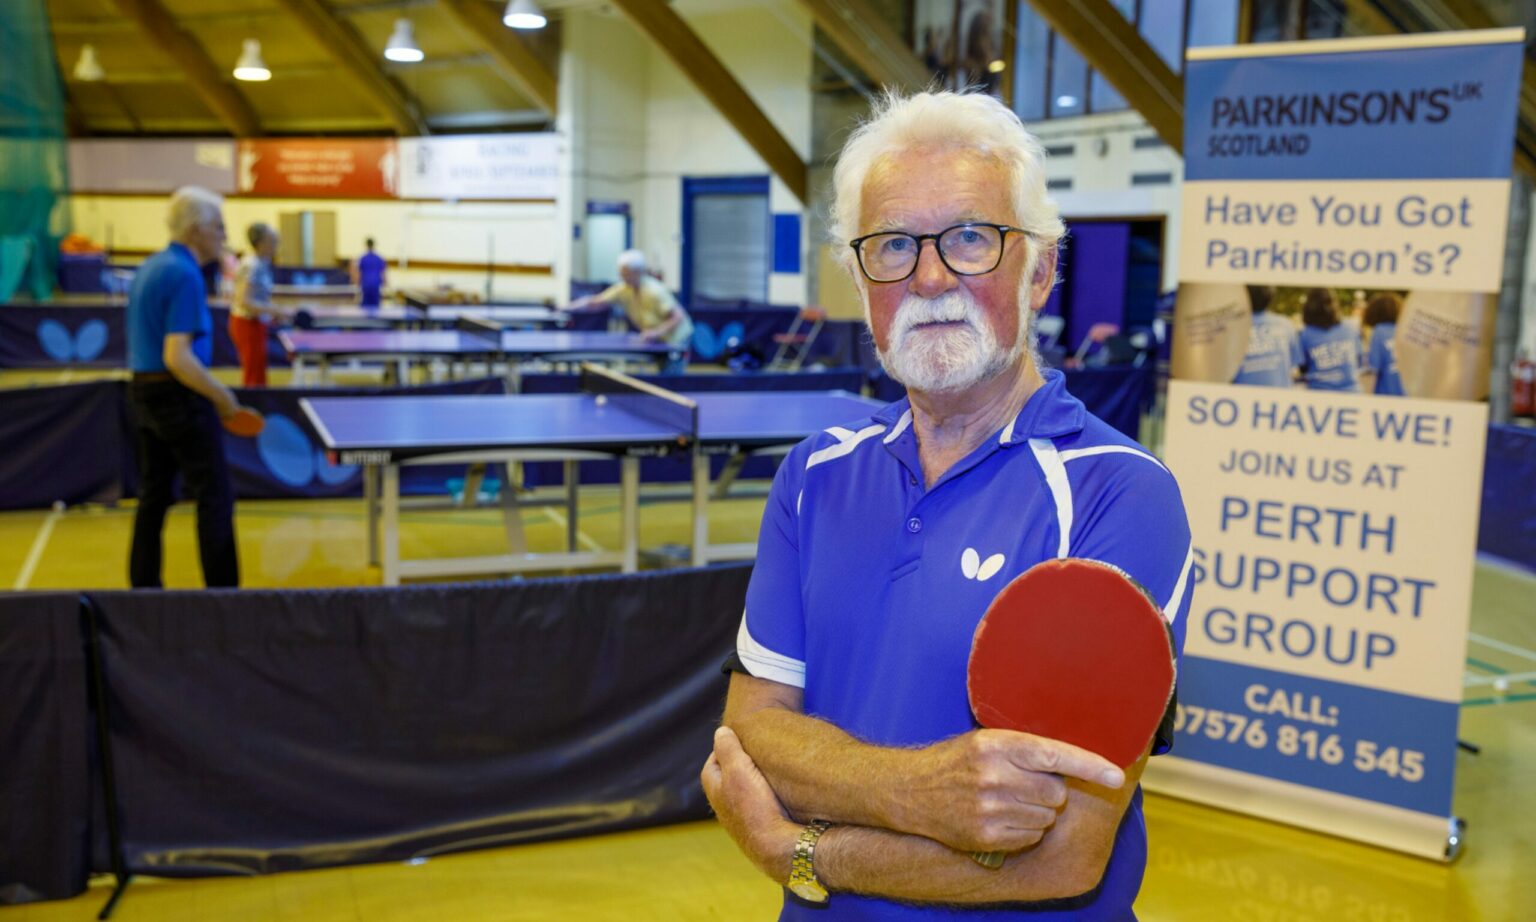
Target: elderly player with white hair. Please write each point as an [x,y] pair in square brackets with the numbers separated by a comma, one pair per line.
[177,403]
[848,766]
[649,306]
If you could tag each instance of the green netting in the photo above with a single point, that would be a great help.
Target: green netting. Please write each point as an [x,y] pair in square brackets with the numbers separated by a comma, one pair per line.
[34,153]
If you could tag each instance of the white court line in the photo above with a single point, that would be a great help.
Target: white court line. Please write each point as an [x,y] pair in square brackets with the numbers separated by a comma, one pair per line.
[1502,646]
[1513,678]
[35,555]
[582,538]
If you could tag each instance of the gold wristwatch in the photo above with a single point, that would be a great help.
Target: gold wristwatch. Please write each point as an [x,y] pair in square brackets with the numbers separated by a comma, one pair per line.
[802,867]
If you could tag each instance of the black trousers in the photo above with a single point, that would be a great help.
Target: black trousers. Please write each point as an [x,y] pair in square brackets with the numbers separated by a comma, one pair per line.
[177,431]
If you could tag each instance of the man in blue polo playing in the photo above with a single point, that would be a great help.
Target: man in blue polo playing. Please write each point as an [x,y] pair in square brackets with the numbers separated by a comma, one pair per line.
[849,768]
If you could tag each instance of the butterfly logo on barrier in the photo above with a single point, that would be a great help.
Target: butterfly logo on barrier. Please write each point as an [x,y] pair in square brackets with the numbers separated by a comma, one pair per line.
[709,345]
[63,345]
[973,567]
[288,454]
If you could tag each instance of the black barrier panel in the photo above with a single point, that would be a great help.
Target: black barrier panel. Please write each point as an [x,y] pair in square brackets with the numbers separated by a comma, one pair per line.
[267,731]
[65,443]
[44,736]
[1507,527]
[72,336]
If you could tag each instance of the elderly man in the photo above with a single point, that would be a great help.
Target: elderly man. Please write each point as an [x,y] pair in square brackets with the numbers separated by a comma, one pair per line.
[176,402]
[848,761]
[649,306]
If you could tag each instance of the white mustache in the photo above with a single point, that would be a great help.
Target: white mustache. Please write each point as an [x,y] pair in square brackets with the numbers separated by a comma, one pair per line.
[950,307]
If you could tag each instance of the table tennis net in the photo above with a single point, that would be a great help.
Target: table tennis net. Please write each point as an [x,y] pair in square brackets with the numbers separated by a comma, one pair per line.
[642,399]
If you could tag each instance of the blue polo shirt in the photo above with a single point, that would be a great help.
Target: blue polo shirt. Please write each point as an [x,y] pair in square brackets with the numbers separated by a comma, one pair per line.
[1332,357]
[168,296]
[868,586]
[1383,360]
[1274,351]
[370,277]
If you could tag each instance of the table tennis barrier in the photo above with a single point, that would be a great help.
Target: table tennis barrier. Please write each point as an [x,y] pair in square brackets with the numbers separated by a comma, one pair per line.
[477,697]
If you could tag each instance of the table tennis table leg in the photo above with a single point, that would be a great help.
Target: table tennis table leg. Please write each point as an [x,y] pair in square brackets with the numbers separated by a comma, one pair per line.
[391,490]
[728,475]
[629,499]
[371,501]
[700,554]
[572,491]
[511,515]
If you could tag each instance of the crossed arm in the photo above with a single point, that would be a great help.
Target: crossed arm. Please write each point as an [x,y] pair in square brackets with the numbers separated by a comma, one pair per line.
[908,818]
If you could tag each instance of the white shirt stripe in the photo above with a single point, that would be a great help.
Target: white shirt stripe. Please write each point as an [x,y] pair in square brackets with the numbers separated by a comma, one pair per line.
[846,443]
[1075,453]
[763,663]
[1061,490]
[1171,610]
[901,426]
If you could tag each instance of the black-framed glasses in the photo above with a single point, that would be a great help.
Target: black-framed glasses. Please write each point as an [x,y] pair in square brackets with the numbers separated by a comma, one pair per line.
[966,249]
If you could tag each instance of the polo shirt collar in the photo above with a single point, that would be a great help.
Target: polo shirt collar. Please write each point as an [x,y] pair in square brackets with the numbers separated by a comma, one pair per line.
[182,251]
[1049,413]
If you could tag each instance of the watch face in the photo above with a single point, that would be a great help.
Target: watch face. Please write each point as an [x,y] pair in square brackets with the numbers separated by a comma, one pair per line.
[808,890]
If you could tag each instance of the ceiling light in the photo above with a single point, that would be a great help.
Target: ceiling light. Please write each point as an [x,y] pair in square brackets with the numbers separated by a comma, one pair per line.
[251,66]
[523,14]
[997,66]
[1065,101]
[402,44]
[88,68]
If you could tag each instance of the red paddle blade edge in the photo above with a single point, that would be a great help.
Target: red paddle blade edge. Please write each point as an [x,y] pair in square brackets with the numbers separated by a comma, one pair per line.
[1074,650]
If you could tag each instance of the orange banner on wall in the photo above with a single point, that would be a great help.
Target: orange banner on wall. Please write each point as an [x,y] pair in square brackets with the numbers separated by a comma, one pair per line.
[318,168]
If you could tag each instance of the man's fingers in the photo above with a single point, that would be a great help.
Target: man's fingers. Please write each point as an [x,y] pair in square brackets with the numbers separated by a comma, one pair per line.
[728,747]
[1040,754]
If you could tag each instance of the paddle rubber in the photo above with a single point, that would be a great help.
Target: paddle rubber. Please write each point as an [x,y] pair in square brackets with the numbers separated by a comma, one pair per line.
[1073,650]
[245,423]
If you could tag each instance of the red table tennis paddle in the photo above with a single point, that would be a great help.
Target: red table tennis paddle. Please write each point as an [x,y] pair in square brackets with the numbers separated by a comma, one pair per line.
[245,423]
[1073,650]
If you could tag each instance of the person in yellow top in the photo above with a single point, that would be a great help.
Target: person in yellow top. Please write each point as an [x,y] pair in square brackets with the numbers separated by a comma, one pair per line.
[649,306]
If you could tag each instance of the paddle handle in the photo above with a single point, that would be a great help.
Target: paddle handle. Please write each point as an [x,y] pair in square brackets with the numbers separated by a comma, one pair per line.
[989,860]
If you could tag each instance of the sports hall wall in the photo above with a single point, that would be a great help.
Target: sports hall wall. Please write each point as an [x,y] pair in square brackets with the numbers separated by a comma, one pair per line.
[634,127]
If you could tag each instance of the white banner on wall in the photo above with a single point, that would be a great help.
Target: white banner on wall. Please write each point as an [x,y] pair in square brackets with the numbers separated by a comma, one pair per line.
[503,166]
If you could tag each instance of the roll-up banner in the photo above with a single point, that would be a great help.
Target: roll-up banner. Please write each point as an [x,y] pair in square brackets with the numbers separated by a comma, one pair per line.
[1344,215]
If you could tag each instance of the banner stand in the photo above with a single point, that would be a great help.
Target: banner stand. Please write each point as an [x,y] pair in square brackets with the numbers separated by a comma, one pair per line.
[1418,834]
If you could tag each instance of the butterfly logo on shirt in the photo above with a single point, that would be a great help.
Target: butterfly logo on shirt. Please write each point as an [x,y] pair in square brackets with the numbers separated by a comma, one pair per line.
[973,567]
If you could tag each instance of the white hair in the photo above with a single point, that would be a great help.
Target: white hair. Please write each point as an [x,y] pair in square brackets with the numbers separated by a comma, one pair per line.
[966,121]
[632,259]
[191,206]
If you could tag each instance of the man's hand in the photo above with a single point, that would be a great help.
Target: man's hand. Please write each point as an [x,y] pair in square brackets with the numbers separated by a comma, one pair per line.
[748,808]
[995,790]
[653,335]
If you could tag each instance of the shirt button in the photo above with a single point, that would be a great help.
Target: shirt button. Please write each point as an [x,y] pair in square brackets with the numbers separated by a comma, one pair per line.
[914,481]
[914,525]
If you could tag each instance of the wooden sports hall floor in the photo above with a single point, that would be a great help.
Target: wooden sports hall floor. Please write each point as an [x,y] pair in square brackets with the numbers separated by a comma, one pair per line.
[1205,865]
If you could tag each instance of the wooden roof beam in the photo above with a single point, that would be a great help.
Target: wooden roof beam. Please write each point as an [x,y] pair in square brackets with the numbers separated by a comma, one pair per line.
[1113,47]
[359,62]
[711,78]
[481,23]
[865,37]
[207,79]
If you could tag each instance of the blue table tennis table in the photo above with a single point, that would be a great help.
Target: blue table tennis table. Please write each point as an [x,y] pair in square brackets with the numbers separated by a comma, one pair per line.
[410,316]
[482,342]
[385,432]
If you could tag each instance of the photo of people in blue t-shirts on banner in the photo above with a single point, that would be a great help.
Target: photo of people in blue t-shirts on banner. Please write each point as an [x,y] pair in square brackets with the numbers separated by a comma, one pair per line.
[1333,339]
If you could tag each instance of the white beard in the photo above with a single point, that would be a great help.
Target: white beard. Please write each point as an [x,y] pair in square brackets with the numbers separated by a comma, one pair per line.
[952,358]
